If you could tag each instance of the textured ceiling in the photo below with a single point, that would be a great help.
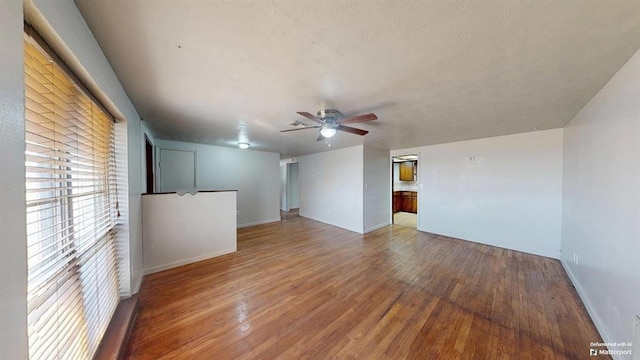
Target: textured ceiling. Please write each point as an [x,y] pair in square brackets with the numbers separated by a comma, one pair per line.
[433,71]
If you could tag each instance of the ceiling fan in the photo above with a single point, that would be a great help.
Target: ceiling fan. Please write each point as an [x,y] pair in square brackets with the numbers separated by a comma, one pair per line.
[330,120]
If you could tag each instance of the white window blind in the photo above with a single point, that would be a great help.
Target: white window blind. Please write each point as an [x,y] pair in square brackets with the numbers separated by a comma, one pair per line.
[71,211]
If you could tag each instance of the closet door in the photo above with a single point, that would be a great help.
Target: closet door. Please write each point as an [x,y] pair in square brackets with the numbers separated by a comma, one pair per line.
[177,170]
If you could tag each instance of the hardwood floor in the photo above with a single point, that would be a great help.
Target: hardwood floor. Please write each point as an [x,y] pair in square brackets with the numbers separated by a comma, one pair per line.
[300,289]
[288,215]
[405,219]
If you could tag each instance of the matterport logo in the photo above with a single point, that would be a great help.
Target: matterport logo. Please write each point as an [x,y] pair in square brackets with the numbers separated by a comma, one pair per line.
[605,348]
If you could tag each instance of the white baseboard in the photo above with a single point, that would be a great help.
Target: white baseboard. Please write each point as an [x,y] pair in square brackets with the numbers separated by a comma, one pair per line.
[324,222]
[259,222]
[376,227]
[551,255]
[174,264]
[590,309]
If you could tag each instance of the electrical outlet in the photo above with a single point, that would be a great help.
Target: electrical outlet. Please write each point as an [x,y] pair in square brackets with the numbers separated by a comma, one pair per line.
[237,212]
[576,258]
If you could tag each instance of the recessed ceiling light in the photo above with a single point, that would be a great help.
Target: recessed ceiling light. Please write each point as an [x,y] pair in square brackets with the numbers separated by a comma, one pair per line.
[243,145]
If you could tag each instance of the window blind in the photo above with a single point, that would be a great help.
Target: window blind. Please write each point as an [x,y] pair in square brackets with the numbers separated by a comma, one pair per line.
[72,283]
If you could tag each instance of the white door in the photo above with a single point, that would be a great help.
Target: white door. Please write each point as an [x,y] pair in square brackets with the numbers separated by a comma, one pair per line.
[177,170]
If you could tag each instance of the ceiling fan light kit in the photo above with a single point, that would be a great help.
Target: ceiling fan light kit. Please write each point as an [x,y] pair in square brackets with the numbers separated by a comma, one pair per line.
[327,132]
[331,120]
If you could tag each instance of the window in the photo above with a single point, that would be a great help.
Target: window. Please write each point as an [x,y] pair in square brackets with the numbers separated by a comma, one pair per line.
[72,288]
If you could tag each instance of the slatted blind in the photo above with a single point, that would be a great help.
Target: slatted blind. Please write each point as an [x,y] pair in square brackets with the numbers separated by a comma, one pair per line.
[71,211]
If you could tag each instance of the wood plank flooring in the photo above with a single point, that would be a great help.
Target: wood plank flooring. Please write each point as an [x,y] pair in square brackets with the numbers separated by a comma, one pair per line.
[405,219]
[300,289]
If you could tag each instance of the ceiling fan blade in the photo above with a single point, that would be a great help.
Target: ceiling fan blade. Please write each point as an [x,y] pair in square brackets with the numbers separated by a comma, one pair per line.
[310,117]
[359,118]
[349,129]
[320,137]
[302,128]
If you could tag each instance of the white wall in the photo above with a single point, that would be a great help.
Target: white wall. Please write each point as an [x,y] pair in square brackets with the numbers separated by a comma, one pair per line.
[255,174]
[293,185]
[180,230]
[601,203]
[504,191]
[349,188]
[331,187]
[13,257]
[377,188]
[66,21]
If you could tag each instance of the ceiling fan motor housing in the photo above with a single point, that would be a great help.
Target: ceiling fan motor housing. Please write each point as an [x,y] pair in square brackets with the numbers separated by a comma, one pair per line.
[330,117]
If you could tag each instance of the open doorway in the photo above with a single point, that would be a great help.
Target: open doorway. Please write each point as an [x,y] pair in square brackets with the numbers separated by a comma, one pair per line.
[293,186]
[148,150]
[289,189]
[404,188]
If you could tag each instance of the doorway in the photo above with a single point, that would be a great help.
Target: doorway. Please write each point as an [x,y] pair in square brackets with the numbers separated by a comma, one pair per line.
[148,150]
[293,186]
[404,190]
[289,189]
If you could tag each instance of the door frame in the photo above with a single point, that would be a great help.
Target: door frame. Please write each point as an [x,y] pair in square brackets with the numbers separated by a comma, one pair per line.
[150,177]
[286,204]
[406,152]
